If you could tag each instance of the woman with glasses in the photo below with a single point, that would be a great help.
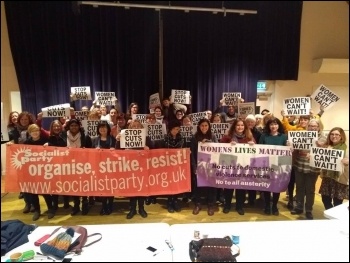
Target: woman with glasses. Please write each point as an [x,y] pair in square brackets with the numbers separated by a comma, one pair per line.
[300,126]
[120,124]
[151,119]
[335,185]
[179,114]
[305,175]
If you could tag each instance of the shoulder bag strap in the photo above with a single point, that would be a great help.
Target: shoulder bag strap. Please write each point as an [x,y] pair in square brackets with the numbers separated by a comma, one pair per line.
[95,241]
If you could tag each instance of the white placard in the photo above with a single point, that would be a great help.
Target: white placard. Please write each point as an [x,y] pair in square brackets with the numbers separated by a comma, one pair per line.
[180,96]
[302,140]
[90,127]
[246,108]
[81,93]
[325,97]
[140,117]
[326,158]
[81,115]
[154,101]
[188,131]
[231,98]
[133,138]
[196,117]
[297,106]
[219,129]
[105,98]
[156,131]
[61,110]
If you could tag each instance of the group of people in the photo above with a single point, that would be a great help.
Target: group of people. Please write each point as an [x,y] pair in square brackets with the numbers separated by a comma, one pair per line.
[262,128]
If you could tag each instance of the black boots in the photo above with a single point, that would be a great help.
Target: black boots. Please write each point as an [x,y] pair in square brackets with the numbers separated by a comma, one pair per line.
[107,206]
[76,208]
[132,211]
[85,207]
[142,212]
[173,205]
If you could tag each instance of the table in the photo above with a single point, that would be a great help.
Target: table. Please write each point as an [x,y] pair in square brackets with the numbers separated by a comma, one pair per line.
[119,243]
[272,241]
[338,212]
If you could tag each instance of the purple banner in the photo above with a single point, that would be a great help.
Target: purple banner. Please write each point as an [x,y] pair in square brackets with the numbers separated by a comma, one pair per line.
[240,166]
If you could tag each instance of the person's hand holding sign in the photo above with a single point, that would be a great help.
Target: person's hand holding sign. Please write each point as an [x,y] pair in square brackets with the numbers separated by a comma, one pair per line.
[288,143]
[222,101]
[233,143]
[40,116]
[345,161]
[251,143]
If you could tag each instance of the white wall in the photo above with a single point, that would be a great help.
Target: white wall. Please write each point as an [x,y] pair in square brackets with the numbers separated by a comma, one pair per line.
[324,34]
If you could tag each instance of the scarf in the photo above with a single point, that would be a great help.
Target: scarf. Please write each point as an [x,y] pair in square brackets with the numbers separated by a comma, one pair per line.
[236,136]
[171,142]
[22,133]
[73,141]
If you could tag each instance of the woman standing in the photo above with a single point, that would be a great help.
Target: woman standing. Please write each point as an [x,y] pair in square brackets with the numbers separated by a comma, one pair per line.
[173,140]
[35,138]
[119,125]
[19,135]
[301,125]
[238,133]
[273,135]
[57,139]
[305,175]
[335,185]
[203,135]
[132,110]
[104,140]
[113,113]
[76,138]
[217,118]
[140,200]
[12,122]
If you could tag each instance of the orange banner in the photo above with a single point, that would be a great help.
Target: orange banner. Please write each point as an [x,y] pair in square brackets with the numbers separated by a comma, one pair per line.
[97,172]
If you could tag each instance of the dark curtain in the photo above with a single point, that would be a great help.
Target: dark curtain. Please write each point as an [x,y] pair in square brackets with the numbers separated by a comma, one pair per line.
[209,54]
[108,49]
[113,49]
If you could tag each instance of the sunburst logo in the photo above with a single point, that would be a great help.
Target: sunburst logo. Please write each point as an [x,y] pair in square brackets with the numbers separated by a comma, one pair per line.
[16,158]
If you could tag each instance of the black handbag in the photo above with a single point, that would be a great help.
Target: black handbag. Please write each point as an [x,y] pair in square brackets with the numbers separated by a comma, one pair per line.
[213,250]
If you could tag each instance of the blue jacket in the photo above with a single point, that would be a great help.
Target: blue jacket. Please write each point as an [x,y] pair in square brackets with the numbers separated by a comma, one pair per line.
[13,234]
